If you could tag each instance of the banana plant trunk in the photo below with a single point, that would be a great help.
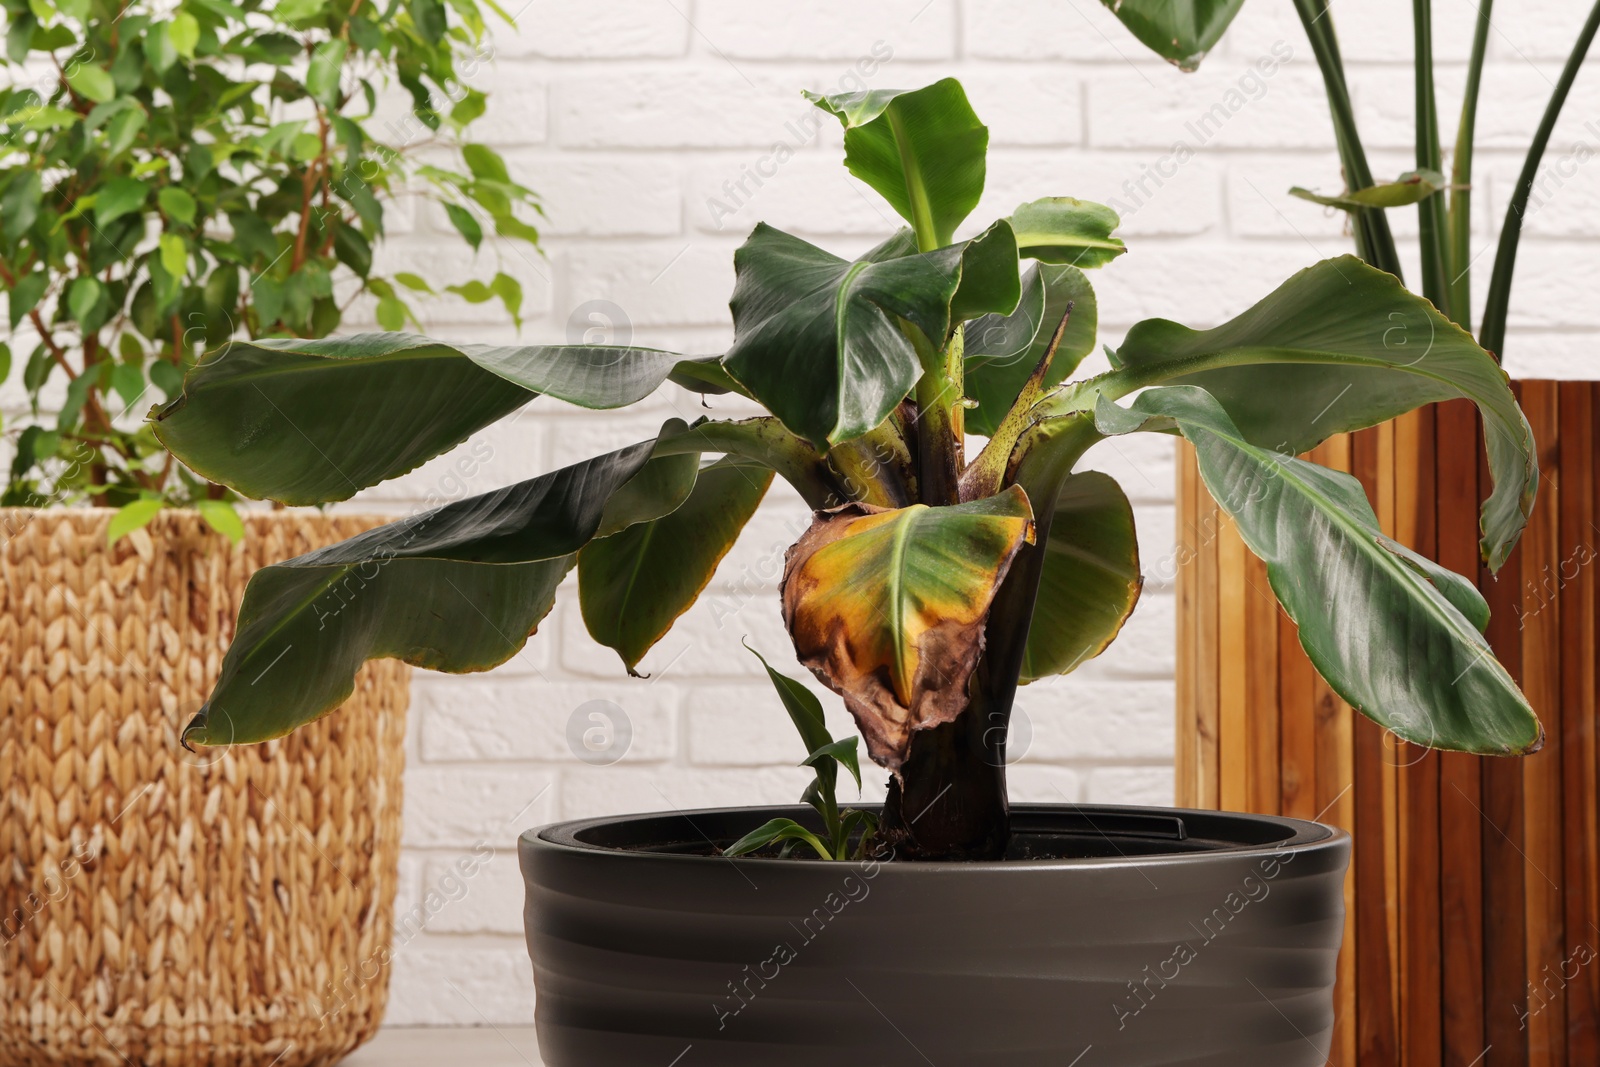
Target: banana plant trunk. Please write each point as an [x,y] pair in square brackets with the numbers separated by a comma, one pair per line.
[949,800]
[1473,898]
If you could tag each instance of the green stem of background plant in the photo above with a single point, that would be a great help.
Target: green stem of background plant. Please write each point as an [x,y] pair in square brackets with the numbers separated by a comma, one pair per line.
[1430,210]
[1374,241]
[1460,213]
[1493,336]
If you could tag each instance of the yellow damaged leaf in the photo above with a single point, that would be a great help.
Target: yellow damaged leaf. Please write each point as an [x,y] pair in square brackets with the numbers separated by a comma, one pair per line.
[887,606]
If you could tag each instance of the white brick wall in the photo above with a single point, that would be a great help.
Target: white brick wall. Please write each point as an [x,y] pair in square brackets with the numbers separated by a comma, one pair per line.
[633,116]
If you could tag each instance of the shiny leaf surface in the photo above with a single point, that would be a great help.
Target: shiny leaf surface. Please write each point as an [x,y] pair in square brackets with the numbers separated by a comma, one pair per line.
[923,151]
[1179,31]
[1341,346]
[1059,229]
[1090,578]
[458,589]
[1394,634]
[292,420]
[1002,350]
[818,339]
[634,585]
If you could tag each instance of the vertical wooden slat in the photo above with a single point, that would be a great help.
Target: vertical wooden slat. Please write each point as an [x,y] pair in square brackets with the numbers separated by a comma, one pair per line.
[1579,801]
[1261,689]
[1460,794]
[1207,655]
[1504,930]
[1419,1013]
[1335,804]
[1540,624]
[1376,1037]
[1187,784]
[1232,728]
[1297,725]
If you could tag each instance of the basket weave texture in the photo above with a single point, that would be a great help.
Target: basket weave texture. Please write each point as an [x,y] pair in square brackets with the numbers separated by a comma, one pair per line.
[160,907]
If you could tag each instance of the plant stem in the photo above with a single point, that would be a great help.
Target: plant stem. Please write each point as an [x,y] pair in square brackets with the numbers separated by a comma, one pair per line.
[948,802]
[1460,244]
[1430,210]
[938,456]
[1374,241]
[1493,335]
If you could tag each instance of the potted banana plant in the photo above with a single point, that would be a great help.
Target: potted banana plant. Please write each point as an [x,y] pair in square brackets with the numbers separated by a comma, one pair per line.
[926,589]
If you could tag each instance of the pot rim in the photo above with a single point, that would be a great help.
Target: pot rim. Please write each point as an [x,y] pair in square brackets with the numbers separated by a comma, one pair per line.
[1303,836]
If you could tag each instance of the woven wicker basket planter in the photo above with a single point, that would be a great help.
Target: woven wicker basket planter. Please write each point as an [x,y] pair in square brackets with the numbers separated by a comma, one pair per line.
[160,907]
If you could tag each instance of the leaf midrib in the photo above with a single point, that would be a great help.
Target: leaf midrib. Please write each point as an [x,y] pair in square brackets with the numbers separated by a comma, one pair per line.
[1360,536]
[916,190]
[899,542]
[315,361]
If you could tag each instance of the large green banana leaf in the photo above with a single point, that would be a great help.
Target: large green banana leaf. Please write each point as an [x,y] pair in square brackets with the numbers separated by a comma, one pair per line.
[308,422]
[1001,351]
[923,151]
[1395,635]
[818,339]
[1089,581]
[1061,229]
[1338,347]
[633,585]
[458,588]
[1179,31]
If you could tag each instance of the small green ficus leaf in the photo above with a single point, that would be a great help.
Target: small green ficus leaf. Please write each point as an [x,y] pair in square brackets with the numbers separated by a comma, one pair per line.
[322,77]
[174,255]
[176,203]
[131,517]
[117,198]
[83,296]
[20,204]
[159,48]
[465,224]
[92,83]
[221,517]
[184,34]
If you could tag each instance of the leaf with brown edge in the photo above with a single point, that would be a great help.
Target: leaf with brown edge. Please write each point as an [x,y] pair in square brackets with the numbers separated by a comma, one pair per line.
[887,607]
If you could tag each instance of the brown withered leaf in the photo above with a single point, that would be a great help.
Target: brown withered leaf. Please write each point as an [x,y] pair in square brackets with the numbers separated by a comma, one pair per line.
[887,607]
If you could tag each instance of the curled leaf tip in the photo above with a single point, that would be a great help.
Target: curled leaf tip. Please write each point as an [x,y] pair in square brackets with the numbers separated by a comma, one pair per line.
[196,728]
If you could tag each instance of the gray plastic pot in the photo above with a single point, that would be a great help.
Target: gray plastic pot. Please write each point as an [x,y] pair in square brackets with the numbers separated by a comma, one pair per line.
[1174,938]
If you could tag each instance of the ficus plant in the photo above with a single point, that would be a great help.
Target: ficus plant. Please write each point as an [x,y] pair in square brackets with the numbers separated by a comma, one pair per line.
[927,586]
[175,176]
[1183,31]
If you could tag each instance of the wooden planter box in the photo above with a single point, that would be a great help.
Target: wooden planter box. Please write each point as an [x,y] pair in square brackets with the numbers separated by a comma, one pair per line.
[166,908]
[1473,930]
